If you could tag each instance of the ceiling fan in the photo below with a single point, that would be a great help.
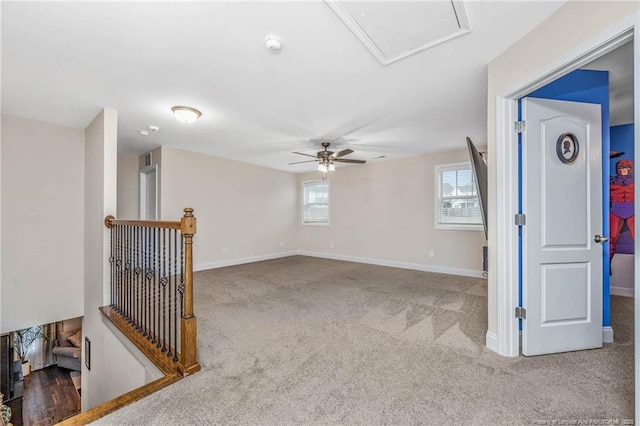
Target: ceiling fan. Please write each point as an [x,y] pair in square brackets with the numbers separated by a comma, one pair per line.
[326,158]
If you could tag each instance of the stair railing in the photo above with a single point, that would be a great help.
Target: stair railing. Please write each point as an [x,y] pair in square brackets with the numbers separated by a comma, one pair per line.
[151,289]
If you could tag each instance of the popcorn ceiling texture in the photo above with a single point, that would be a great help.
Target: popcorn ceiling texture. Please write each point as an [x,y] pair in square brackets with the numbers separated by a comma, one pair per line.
[303,340]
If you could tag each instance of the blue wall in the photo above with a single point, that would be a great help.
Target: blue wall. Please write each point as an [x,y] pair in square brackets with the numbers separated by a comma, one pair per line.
[589,87]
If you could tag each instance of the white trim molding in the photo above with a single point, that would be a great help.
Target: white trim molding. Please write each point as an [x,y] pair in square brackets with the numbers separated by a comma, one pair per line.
[395,264]
[607,334]
[379,262]
[492,341]
[621,291]
[372,45]
[507,234]
[242,260]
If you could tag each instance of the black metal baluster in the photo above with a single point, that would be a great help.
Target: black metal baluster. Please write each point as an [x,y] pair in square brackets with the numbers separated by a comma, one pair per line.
[132,272]
[145,266]
[136,270]
[169,306]
[148,283]
[129,277]
[153,283]
[132,286]
[125,244]
[164,290]
[125,288]
[111,271]
[175,295]
[119,269]
[136,279]
[127,267]
[115,264]
[141,277]
[181,286]
[156,283]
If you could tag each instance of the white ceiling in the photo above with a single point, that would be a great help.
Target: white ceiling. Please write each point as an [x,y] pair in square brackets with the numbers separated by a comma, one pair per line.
[62,62]
[619,63]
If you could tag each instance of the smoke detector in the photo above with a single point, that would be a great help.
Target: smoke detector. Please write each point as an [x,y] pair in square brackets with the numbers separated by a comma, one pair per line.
[273,43]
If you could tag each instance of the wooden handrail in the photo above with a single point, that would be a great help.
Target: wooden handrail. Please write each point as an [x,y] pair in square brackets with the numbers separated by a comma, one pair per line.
[112,405]
[111,221]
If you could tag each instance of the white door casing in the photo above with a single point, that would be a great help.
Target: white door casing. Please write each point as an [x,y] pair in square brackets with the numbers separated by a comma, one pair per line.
[562,264]
[148,205]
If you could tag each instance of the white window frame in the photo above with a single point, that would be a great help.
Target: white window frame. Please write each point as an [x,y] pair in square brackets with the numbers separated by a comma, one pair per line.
[438,196]
[302,218]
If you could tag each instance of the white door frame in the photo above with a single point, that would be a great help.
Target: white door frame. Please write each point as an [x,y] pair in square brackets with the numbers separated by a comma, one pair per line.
[142,209]
[507,179]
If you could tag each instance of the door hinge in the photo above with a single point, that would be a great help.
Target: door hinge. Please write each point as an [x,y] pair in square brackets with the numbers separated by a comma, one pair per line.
[521,219]
[521,313]
[519,126]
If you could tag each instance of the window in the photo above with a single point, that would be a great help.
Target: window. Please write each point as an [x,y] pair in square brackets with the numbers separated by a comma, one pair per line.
[315,202]
[457,204]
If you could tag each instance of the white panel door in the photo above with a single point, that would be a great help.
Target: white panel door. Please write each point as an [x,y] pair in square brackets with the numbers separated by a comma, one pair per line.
[562,200]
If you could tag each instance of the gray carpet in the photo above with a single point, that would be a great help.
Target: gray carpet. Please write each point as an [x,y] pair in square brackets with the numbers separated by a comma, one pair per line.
[302,340]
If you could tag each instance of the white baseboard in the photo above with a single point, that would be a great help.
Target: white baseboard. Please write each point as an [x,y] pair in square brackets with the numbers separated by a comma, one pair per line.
[380,262]
[242,260]
[492,342]
[395,264]
[621,291]
[607,334]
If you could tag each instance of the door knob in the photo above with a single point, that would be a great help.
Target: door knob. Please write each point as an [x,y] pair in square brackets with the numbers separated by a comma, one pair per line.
[600,239]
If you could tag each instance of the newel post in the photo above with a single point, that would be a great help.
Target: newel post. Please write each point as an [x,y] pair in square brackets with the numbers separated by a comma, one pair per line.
[188,326]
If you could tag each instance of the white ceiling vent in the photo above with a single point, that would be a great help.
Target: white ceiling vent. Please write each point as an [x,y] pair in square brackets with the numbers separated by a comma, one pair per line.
[393,30]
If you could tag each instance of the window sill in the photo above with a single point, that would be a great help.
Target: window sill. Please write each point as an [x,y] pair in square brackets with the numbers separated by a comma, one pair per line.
[452,227]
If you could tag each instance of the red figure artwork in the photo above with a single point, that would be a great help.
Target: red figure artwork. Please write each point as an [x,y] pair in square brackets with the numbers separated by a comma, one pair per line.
[621,195]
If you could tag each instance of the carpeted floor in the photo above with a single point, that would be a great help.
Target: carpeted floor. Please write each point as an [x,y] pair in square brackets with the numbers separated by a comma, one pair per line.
[302,340]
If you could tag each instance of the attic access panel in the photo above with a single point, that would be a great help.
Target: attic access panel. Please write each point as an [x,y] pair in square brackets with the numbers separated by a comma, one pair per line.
[393,30]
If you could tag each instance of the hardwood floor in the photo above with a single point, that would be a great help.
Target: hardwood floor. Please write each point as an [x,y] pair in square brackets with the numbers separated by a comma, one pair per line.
[49,397]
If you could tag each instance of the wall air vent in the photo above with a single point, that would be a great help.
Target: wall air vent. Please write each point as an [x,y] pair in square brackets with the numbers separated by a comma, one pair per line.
[147,159]
[394,30]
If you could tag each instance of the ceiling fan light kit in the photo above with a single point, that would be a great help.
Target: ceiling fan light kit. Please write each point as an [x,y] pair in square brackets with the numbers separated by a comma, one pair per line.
[326,167]
[326,159]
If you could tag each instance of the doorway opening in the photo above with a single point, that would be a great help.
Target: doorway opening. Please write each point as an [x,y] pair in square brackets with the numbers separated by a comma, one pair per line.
[506,340]
[149,193]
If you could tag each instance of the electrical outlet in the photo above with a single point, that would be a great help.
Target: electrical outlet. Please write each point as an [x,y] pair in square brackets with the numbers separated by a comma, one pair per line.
[432,253]
[331,244]
[224,249]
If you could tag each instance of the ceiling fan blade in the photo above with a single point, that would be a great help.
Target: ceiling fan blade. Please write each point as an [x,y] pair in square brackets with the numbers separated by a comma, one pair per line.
[345,160]
[300,162]
[302,153]
[342,153]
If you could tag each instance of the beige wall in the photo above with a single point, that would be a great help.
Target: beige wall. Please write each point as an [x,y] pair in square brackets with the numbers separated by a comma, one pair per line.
[385,213]
[116,366]
[1,252]
[248,210]
[128,183]
[547,43]
[42,222]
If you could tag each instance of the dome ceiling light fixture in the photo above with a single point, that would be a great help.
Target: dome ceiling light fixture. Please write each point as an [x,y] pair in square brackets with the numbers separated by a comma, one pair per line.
[185,114]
